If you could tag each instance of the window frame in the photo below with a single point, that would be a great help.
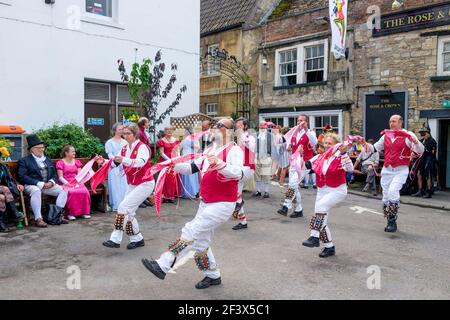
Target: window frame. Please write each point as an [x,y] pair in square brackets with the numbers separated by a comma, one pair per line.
[210,67]
[301,63]
[212,113]
[440,56]
[112,21]
[280,64]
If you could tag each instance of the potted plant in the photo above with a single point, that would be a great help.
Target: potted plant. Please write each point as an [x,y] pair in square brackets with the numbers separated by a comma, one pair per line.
[5,149]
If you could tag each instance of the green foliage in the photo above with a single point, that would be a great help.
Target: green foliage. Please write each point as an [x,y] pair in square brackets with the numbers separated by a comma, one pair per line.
[130,114]
[284,6]
[56,136]
[155,157]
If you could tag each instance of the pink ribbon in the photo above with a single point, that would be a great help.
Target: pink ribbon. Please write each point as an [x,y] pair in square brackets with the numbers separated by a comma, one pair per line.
[392,134]
[85,174]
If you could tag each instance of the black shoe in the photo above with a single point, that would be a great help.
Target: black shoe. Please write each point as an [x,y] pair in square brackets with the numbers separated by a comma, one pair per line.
[311,242]
[427,194]
[3,227]
[297,214]
[147,203]
[16,214]
[143,206]
[283,211]
[418,194]
[170,201]
[207,282]
[327,252]
[266,195]
[134,245]
[257,194]
[240,226]
[351,181]
[154,268]
[305,187]
[314,187]
[111,244]
[391,226]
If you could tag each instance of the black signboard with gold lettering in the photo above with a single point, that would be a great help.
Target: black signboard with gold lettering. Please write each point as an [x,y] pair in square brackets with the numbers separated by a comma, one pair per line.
[379,107]
[419,18]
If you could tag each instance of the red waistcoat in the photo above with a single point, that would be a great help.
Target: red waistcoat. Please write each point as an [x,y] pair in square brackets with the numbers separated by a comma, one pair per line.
[249,157]
[214,189]
[334,177]
[308,150]
[396,153]
[136,176]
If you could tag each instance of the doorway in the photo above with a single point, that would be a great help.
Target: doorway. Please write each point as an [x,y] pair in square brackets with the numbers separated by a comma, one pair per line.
[444,153]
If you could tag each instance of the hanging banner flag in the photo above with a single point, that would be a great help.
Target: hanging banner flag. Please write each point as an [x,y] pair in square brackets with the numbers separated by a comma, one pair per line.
[338,21]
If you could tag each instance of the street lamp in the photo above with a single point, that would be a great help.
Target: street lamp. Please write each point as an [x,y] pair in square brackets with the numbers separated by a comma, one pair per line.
[397,4]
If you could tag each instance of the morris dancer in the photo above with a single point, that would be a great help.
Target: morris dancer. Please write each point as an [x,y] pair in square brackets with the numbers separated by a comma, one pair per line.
[247,142]
[218,191]
[330,168]
[135,158]
[397,144]
[300,136]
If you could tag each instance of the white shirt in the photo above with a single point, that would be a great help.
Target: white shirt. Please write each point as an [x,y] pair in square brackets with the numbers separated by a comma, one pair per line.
[311,136]
[41,164]
[232,169]
[141,158]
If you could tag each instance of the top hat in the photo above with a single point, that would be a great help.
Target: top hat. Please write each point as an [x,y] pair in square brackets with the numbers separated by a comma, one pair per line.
[33,140]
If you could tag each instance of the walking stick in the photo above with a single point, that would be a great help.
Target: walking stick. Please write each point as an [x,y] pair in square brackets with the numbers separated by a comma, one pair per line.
[24,208]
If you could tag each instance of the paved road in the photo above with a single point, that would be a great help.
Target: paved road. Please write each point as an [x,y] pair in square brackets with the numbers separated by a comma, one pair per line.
[266,261]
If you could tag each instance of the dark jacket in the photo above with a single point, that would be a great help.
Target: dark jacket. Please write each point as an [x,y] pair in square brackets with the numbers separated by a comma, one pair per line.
[30,174]
[7,180]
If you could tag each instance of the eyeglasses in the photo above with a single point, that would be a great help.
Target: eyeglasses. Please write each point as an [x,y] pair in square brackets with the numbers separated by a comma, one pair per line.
[220,125]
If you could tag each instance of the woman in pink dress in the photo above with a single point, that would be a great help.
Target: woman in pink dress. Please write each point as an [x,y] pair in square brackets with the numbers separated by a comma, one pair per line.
[78,198]
[168,148]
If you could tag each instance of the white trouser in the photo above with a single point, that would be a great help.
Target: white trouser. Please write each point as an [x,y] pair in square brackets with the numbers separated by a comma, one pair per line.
[200,230]
[392,181]
[310,178]
[294,182]
[134,197]
[248,174]
[36,197]
[326,199]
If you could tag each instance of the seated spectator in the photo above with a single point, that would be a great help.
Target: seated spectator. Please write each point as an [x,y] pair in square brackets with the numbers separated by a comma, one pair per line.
[78,198]
[369,159]
[36,171]
[8,189]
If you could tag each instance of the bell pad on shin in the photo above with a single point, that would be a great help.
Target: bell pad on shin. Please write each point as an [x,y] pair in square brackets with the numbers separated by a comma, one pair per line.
[129,228]
[317,222]
[118,224]
[290,194]
[179,246]
[202,261]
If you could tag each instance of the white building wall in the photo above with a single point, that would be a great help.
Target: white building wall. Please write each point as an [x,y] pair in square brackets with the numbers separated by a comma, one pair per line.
[46,52]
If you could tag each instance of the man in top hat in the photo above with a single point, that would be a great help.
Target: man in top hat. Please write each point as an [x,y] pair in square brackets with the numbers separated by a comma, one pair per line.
[427,162]
[38,175]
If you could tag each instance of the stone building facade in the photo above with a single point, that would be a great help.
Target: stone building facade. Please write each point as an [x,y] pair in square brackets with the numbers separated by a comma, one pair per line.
[403,67]
[222,28]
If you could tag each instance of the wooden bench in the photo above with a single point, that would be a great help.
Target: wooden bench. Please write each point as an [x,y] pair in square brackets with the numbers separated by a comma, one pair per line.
[99,199]
[361,177]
